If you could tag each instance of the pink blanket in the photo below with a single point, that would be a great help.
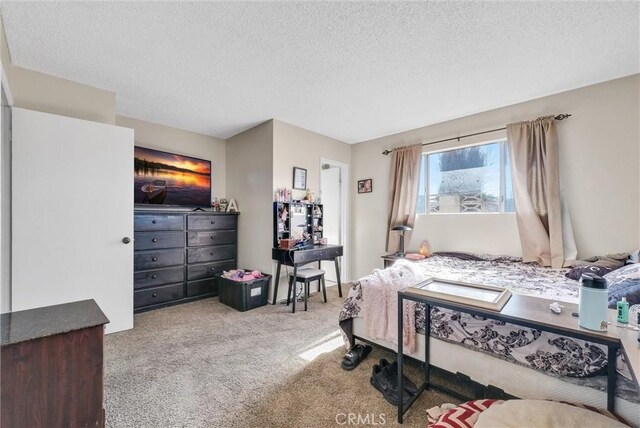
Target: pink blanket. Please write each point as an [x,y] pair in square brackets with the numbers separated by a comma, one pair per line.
[380,303]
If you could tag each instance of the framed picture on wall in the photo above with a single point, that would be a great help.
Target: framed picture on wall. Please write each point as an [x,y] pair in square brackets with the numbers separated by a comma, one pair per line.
[365,186]
[299,178]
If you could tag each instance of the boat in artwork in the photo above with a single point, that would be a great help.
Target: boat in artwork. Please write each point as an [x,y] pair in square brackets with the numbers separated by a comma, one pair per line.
[154,192]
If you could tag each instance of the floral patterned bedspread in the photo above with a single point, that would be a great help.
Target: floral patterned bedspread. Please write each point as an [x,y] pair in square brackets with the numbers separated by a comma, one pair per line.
[556,355]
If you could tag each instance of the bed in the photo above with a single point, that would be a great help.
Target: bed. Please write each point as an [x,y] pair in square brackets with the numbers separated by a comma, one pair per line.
[543,365]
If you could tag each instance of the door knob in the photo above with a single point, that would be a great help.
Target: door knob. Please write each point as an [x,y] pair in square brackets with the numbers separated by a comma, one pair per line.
[126,240]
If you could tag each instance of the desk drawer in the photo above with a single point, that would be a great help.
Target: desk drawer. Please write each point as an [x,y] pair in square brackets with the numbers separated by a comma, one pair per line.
[150,222]
[150,278]
[306,256]
[218,237]
[207,270]
[157,240]
[157,295]
[332,252]
[211,254]
[211,222]
[156,259]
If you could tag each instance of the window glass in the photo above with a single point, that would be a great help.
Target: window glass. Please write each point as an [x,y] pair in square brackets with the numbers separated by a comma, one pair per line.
[466,180]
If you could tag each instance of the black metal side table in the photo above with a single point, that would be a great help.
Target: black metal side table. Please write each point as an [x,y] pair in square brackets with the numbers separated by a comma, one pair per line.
[527,311]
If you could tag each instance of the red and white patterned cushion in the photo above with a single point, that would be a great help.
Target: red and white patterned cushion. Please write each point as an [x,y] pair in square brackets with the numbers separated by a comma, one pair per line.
[463,416]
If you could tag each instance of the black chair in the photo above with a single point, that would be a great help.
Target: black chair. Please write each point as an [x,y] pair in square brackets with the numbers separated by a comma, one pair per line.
[305,276]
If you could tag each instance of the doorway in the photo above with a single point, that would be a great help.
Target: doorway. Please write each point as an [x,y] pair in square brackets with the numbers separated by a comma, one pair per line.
[334,178]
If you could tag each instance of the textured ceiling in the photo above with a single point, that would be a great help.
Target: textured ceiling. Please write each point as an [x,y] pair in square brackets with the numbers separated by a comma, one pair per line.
[352,71]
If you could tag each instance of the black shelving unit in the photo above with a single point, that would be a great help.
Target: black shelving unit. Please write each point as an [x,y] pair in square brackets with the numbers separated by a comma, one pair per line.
[298,220]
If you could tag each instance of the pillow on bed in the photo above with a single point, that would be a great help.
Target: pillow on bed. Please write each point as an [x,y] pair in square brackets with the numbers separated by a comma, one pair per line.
[577,272]
[624,282]
[543,413]
[464,415]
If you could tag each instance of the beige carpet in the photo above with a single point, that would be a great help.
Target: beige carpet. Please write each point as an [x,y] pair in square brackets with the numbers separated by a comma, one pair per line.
[331,396]
[204,364]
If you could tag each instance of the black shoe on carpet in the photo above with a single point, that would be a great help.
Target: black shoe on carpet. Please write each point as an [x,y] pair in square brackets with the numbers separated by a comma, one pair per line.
[392,369]
[352,358]
[380,380]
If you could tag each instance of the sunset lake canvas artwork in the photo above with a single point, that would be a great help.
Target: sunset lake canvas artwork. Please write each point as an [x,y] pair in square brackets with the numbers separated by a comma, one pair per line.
[171,179]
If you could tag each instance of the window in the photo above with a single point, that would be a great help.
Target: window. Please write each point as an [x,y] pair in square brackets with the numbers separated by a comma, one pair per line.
[467,180]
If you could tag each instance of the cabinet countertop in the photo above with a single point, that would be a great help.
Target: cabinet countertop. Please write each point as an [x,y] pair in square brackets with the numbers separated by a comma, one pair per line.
[37,323]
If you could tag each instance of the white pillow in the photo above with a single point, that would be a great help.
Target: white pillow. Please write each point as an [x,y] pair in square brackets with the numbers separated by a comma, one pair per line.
[542,413]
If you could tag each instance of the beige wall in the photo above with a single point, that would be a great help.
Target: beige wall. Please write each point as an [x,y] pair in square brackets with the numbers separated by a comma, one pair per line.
[250,183]
[154,136]
[42,92]
[45,93]
[261,160]
[295,146]
[599,153]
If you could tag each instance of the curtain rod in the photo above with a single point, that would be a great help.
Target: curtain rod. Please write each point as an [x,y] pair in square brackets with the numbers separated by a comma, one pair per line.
[561,116]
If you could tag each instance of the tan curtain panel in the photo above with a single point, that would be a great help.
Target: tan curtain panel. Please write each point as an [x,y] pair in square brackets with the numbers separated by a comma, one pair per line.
[533,151]
[403,192]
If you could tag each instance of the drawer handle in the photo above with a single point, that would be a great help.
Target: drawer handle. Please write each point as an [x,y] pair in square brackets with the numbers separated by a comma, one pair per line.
[213,222]
[154,295]
[213,253]
[154,276]
[155,259]
[154,221]
[213,236]
[213,268]
[154,240]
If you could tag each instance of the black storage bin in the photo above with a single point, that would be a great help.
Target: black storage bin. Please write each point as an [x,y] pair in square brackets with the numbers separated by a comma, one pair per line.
[243,296]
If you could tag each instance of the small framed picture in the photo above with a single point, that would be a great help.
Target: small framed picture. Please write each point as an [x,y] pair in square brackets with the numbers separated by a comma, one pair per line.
[365,186]
[299,178]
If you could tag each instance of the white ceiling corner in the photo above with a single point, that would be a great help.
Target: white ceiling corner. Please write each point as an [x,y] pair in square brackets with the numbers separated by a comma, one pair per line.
[350,70]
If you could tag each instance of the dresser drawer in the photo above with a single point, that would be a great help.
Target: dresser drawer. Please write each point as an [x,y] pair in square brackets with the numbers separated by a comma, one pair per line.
[217,237]
[150,278]
[207,270]
[157,295]
[149,222]
[156,240]
[201,287]
[156,259]
[207,222]
[211,254]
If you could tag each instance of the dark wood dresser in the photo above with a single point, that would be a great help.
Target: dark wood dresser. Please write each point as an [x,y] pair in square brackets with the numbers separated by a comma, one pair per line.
[52,366]
[177,254]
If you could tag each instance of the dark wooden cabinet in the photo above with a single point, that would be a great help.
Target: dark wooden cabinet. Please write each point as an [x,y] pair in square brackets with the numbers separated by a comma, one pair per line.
[177,253]
[52,367]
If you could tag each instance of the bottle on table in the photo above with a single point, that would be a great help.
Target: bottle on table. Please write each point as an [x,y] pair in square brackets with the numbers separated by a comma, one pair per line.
[623,311]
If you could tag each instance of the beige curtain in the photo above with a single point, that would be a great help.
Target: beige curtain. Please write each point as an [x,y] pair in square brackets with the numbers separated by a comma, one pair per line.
[403,192]
[533,151]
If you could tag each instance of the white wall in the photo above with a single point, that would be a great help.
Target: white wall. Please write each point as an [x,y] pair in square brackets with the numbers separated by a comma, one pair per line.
[155,136]
[250,183]
[599,152]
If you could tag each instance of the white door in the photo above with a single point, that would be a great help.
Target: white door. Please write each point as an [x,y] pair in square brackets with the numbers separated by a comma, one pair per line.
[72,206]
[330,191]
